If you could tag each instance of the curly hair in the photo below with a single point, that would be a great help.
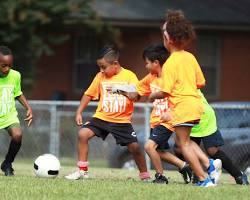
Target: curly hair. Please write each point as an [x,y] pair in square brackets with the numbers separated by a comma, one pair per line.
[180,30]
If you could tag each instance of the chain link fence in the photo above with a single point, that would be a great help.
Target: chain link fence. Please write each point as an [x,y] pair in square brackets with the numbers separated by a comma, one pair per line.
[54,131]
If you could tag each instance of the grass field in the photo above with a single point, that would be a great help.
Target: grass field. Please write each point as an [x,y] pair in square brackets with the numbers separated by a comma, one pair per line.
[109,184]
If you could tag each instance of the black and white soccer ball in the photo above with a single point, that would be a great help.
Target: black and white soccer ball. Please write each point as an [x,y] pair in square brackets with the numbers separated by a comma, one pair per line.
[47,166]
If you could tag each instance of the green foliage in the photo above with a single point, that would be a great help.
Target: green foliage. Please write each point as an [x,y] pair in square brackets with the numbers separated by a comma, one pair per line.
[27,27]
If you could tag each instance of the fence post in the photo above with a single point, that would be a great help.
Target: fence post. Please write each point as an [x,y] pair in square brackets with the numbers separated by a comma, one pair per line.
[147,131]
[54,132]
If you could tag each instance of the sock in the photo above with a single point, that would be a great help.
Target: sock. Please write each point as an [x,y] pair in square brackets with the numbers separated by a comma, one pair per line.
[144,175]
[227,164]
[83,165]
[12,152]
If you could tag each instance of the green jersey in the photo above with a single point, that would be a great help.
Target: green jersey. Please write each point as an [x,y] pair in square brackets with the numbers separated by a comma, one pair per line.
[207,125]
[10,87]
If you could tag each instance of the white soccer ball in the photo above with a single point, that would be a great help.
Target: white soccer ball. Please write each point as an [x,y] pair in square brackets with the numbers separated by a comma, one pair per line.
[47,166]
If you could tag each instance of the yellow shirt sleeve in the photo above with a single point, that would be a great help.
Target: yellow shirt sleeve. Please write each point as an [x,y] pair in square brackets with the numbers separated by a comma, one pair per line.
[94,89]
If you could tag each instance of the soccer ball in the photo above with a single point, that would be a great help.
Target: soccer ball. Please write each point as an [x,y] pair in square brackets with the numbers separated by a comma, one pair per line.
[47,166]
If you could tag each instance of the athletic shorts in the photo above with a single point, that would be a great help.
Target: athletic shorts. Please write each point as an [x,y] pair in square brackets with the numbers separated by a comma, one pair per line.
[214,140]
[122,132]
[15,125]
[160,135]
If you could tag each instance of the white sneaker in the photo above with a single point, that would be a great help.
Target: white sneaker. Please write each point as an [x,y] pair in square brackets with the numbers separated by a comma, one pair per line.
[214,170]
[78,174]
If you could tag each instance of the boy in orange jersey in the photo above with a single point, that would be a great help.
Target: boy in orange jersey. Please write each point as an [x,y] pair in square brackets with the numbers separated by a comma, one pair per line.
[113,114]
[182,76]
[156,147]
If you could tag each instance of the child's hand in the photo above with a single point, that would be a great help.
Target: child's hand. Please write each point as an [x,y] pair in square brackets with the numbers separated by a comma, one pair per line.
[165,117]
[29,116]
[151,97]
[78,119]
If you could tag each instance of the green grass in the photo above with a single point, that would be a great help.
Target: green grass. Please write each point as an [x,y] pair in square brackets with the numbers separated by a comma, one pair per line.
[109,184]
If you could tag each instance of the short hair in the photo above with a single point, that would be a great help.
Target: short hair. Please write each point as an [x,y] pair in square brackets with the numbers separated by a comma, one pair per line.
[180,30]
[4,50]
[156,52]
[110,53]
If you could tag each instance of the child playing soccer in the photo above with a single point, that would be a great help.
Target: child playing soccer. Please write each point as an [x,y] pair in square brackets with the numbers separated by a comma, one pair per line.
[182,76]
[113,114]
[10,89]
[207,133]
[154,57]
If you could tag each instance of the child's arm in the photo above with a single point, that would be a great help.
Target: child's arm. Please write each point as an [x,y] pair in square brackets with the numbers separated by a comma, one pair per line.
[29,115]
[83,104]
[157,95]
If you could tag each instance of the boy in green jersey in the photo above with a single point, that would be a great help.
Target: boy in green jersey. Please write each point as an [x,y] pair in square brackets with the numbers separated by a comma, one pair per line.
[10,89]
[207,133]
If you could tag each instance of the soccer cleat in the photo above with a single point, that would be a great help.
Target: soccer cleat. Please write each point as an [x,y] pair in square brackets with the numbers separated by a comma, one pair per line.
[186,173]
[206,183]
[214,170]
[242,179]
[194,178]
[7,169]
[160,178]
[78,174]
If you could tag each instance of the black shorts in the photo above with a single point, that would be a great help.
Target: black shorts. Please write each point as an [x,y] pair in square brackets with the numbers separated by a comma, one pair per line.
[214,140]
[122,132]
[160,135]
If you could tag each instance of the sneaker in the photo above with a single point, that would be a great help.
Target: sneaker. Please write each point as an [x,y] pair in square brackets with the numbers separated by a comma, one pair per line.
[206,183]
[214,170]
[242,179]
[78,174]
[186,173]
[160,178]
[7,169]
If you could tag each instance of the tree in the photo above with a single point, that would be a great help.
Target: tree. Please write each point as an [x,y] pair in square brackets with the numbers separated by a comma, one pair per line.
[26,27]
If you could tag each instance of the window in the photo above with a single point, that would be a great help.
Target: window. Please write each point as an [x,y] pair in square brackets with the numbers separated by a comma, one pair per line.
[86,48]
[209,60]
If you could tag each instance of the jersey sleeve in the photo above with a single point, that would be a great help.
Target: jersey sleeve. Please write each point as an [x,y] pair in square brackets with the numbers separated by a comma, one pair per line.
[168,78]
[17,89]
[143,86]
[94,89]
[133,79]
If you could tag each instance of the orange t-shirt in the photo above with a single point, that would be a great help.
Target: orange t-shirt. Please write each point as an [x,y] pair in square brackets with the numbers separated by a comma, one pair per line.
[182,76]
[112,107]
[149,84]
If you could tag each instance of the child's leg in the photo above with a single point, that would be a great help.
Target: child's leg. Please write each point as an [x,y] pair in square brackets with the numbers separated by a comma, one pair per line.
[138,156]
[84,135]
[200,154]
[227,164]
[172,159]
[16,141]
[183,141]
[150,148]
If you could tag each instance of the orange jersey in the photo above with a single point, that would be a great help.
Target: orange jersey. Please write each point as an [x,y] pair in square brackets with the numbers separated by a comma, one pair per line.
[112,107]
[182,76]
[146,86]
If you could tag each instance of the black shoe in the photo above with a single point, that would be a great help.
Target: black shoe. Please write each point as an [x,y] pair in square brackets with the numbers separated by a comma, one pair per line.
[195,179]
[186,173]
[242,179]
[7,169]
[159,178]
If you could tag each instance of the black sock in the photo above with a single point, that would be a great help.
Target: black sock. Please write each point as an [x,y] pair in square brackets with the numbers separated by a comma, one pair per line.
[13,150]
[227,163]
